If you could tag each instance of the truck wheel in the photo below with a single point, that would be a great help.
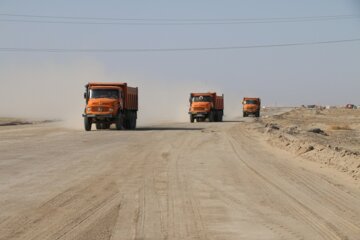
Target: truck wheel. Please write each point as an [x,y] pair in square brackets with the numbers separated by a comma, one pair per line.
[244,114]
[211,116]
[133,121]
[127,120]
[125,123]
[216,116]
[221,114]
[119,122]
[257,114]
[87,123]
[192,118]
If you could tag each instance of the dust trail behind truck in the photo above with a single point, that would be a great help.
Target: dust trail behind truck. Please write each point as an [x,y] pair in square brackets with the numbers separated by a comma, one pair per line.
[110,103]
[206,106]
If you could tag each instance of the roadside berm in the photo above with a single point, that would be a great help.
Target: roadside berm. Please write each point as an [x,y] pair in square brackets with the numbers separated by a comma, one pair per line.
[330,137]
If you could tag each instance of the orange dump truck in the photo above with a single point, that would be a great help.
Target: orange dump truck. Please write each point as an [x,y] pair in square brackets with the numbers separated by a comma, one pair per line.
[251,106]
[108,103]
[206,106]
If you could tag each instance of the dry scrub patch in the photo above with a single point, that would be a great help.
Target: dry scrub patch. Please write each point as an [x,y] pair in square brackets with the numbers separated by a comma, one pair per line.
[330,137]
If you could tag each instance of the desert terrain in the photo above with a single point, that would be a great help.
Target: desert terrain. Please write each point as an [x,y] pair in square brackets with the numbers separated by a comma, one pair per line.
[245,178]
[328,136]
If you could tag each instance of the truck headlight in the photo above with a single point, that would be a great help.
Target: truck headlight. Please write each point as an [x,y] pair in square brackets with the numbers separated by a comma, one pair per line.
[111,110]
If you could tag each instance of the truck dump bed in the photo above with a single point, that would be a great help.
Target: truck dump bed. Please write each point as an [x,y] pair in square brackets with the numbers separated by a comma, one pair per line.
[131,98]
[219,102]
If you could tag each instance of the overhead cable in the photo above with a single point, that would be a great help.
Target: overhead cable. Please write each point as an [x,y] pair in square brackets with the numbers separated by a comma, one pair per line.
[129,50]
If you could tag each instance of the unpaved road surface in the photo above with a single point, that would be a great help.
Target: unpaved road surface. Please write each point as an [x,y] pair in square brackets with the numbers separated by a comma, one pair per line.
[173,181]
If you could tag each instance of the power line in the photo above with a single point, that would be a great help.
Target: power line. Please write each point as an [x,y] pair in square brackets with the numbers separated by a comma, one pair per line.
[117,50]
[325,17]
[165,23]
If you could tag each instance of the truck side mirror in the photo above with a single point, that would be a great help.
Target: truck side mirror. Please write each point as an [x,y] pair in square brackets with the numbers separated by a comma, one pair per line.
[85,95]
[190,99]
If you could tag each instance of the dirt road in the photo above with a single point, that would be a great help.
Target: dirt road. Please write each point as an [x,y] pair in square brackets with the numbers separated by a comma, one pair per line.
[174,181]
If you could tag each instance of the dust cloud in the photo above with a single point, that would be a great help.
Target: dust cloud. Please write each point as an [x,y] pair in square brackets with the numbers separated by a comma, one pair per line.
[46,90]
[52,90]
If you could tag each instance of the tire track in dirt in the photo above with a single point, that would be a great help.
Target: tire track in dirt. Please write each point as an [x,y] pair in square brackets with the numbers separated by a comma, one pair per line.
[325,195]
[313,219]
[68,210]
[216,182]
[233,197]
[156,206]
[63,213]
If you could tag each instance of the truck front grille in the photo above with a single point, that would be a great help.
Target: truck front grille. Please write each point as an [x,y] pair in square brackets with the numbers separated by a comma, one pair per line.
[99,109]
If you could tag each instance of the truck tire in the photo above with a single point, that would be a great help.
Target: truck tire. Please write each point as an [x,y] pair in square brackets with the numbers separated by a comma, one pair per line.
[221,114]
[211,116]
[216,116]
[119,122]
[87,123]
[257,114]
[244,114]
[126,123]
[127,120]
[133,120]
[192,118]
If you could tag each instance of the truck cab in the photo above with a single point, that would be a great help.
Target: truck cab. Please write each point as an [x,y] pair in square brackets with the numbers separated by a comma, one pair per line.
[103,101]
[251,106]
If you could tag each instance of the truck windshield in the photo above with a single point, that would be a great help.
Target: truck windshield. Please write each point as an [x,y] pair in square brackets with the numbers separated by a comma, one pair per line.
[201,99]
[104,93]
[251,102]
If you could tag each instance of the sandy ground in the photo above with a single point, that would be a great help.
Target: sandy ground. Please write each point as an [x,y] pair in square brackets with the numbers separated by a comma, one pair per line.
[172,181]
[330,137]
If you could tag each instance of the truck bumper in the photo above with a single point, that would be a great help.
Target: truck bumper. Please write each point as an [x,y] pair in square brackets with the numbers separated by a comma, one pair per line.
[99,116]
[251,111]
[199,114]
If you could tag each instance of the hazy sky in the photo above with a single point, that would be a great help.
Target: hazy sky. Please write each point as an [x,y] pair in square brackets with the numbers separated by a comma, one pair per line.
[51,84]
